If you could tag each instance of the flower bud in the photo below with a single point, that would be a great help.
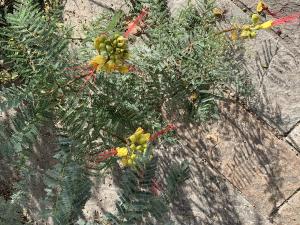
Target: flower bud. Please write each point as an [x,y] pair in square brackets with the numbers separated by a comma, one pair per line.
[255,18]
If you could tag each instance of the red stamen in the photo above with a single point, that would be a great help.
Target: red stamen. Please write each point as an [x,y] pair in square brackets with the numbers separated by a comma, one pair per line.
[155,187]
[156,135]
[286,19]
[271,13]
[106,154]
[135,22]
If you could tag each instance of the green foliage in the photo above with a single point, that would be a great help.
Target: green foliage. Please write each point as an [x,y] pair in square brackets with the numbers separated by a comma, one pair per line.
[68,188]
[36,50]
[178,174]
[142,198]
[10,214]
[174,58]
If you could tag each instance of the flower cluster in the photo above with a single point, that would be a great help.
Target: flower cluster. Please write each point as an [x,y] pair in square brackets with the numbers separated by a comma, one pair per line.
[138,146]
[261,6]
[113,52]
[249,31]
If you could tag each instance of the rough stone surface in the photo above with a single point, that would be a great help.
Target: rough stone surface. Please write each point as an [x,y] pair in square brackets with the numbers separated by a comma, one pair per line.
[294,137]
[207,198]
[264,168]
[103,198]
[289,214]
[78,13]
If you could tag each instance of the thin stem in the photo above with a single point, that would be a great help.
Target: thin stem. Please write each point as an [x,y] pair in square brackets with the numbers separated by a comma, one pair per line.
[227,30]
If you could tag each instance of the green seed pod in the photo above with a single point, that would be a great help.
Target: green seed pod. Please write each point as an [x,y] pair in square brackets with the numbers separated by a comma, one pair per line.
[120,38]
[104,53]
[116,36]
[109,48]
[118,56]
[126,55]
[102,38]
[252,34]
[102,46]
[120,45]
[118,62]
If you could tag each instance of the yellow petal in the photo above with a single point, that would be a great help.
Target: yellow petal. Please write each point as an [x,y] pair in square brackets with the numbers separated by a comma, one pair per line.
[252,34]
[245,34]
[98,61]
[110,66]
[139,131]
[124,161]
[133,156]
[218,12]
[133,147]
[260,6]
[234,35]
[97,43]
[123,69]
[144,138]
[246,27]
[139,148]
[133,138]
[122,152]
[120,39]
[130,162]
[265,25]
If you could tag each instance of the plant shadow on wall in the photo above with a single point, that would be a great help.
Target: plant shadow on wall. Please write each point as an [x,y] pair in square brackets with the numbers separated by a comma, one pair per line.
[205,199]
[240,150]
[264,59]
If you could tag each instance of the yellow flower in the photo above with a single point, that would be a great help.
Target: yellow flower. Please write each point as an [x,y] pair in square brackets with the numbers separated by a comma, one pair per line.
[260,6]
[110,66]
[133,147]
[218,12]
[133,138]
[98,61]
[265,25]
[121,39]
[124,161]
[144,138]
[122,152]
[133,156]
[123,69]
[139,140]
[130,162]
[245,34]
[98,41]
[139,131]
[139,148]
[234,35]
[252,34]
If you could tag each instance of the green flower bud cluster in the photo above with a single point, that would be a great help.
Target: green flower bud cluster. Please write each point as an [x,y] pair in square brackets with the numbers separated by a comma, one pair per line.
[114,51]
